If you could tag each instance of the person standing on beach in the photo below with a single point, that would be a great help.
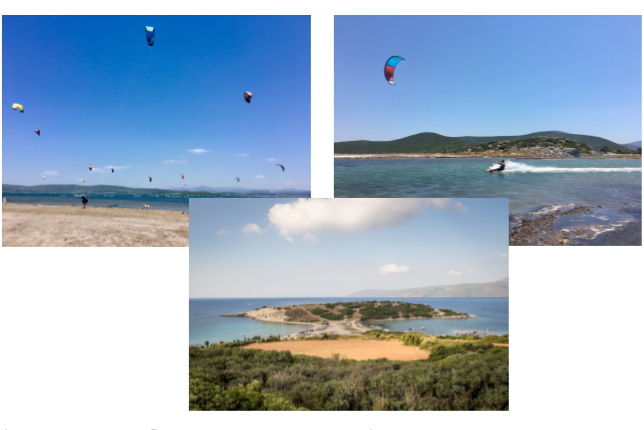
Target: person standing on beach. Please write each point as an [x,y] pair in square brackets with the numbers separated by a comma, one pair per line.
[84,200]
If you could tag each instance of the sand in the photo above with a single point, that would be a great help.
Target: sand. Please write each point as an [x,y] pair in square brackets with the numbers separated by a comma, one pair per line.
[356,349]
[40,225]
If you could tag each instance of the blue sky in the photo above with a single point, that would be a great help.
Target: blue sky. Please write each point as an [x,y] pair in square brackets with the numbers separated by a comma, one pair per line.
[488,76]
[100,95]
[334,247]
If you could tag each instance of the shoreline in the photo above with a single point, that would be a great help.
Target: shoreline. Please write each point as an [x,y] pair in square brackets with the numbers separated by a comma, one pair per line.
[561,226]
[353,327]
[70,226]
[497,155]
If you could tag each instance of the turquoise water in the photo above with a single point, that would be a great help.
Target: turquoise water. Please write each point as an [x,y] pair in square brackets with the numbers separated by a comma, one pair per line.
[533,186]
[206,322]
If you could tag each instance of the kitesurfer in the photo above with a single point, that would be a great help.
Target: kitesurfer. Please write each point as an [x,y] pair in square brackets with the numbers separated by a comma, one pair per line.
[500,168]
[84,200]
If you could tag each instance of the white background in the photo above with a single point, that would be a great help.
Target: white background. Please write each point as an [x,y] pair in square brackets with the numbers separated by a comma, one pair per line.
[96,338]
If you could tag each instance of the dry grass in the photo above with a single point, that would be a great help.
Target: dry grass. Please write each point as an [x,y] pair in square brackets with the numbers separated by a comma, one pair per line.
[40,225]
[356,349]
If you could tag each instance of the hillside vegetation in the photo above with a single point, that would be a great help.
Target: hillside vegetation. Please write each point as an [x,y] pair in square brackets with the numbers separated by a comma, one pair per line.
[429,143]
[460,374]
[365,310]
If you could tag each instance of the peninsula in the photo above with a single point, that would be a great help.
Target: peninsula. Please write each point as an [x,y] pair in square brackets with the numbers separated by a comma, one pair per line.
[347,317]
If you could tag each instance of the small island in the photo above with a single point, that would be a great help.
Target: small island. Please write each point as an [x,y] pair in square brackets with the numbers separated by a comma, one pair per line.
[347,317]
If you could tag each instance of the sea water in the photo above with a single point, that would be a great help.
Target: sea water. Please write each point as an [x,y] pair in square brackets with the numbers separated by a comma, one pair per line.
[533,186]
[206,322]
[166,202]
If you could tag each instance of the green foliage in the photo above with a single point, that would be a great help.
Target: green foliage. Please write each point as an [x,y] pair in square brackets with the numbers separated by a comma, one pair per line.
[458,375]
[327,315]
[206,396]
[436,143]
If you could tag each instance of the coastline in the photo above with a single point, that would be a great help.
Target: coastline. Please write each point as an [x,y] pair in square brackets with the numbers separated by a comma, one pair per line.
[354,327]
[70,226]
[574,225]
[489,155]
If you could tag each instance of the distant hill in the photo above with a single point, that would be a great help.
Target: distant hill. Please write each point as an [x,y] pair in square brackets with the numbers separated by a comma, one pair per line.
[489,289]
[633,145]
[114,189]
[436,143]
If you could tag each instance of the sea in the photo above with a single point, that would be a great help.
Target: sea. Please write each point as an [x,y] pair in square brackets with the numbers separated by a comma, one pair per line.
[168,202]
[534,186]
[207,324]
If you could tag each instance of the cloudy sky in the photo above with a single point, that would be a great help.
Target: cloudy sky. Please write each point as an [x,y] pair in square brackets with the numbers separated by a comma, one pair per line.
[334,247]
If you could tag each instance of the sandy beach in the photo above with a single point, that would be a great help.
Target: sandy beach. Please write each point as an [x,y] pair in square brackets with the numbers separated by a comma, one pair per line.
[40,225]
[356,349]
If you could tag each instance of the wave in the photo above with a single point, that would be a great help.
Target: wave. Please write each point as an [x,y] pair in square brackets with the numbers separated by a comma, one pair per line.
[517,167]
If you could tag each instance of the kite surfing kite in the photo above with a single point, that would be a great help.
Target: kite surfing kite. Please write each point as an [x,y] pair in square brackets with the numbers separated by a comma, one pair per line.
[281,167]
[390,66]
[149,35]
[183,176]
[37,132]
[248,96]
[150,178]
[43,178]
[112,169]
[237,179]
[90,167]
[17,106]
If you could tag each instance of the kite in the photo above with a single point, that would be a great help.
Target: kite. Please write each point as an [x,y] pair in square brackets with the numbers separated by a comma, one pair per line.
[149,35]
[37,132]
[248,96]
[150,178]
[281,167]
[17,106]
[390,66]
[183,176]
[90,167]
[237,179]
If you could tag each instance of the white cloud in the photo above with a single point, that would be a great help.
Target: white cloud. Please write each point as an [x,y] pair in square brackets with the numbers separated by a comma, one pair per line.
[175,161]
[109,168]
[271,159]
[454,273]
[222,232]
[252,229]
[241,155]
[309,237]
[198,151]
[392,269]
[346,215]
[260,177]
[503,255]
[50,172]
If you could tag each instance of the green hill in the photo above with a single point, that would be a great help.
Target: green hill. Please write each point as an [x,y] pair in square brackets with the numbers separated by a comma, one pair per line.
[415,144]
[435,143]
[593,141]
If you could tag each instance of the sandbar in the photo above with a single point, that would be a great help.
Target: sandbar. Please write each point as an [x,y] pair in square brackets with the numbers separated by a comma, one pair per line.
[43,225]
[356,349]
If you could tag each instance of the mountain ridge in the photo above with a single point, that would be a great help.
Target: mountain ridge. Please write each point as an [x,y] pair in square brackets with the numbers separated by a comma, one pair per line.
[499,288]
[430,142]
